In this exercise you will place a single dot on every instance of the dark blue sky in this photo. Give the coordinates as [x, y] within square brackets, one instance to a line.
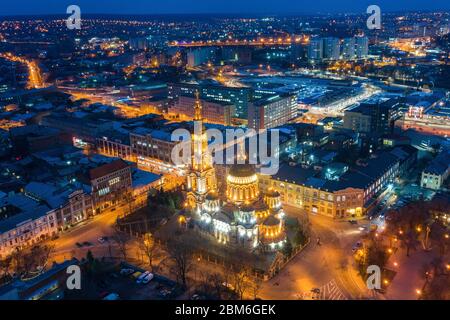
[28, 7]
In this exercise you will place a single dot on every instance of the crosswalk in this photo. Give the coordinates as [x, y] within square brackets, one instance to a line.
[331, 291]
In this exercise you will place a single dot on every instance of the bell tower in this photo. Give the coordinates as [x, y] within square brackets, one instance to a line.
[201, 178]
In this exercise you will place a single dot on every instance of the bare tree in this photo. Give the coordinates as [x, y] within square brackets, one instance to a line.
[121, 239]
[148, 247]
[35, 259]
[5, 267]
[241, 281]
[182, 257]
[256, 287]
[216, 282]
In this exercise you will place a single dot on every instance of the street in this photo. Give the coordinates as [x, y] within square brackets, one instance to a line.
[318, 265]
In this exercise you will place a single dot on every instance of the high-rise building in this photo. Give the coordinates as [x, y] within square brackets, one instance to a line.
[332, 48]
[348, 49]
[372, 117]
[362, 47]
[213, 111]
[239, 97]
[272, 111]
[315, 49]
[200, 56]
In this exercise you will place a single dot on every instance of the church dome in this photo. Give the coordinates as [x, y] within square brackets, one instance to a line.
[242, 183]
[242, 170]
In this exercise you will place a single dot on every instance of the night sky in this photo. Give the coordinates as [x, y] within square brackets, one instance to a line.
[29, 7]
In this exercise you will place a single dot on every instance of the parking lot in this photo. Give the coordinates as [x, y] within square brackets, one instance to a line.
[116, 285]
[126, 286]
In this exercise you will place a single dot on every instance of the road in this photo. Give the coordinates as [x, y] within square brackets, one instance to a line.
[34, 73]
[101, 225]
[318, 265]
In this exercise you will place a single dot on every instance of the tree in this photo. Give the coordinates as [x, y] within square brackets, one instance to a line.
[287, 249]
[240, 282]
[257, 283]
[121, 239]
[410, 242]
[148, 247]
[182, 257]
[5, 265]
[299, 238]
[35, 259]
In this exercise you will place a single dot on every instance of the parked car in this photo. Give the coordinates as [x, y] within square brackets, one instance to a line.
[148, 278]
[126, 271]
[142, 277]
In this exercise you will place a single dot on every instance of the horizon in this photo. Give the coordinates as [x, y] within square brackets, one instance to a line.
[219, 7]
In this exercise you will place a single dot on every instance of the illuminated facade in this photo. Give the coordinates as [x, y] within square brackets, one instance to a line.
[242, 216]
[201, 178]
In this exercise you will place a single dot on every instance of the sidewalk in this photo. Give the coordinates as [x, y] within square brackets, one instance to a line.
[407, 279]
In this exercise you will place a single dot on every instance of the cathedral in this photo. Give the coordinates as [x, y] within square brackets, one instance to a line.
[240, 215]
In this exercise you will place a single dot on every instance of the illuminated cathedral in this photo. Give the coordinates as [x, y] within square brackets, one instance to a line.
[239, 215]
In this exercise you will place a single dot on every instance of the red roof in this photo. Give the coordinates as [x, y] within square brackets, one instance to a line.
[107, 169]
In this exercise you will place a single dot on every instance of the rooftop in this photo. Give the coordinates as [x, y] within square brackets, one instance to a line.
[107, 169]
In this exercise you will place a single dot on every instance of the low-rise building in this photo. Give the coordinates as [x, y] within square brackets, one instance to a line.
[152, 149]
[71, 203]
[49, 285]
[111, 184]
[24, 222]
[435, 174]
[349, 195]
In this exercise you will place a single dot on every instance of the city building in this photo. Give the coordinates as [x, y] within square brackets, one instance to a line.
[435, 174]
[71, 204]
[241, 215]
[375, 117]
[110, 184]
[49, 285]
[81, 128]
[348, 49]
[239, 97]
[24, 222]
[153, 149]
[315, 50]
[332, 48]
[196, 57]
[362, 47]
[334, 191]
[214, 111]
[118, 147]
[272, 111]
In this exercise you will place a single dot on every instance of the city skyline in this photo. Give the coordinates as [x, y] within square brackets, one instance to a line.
[272, 155]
